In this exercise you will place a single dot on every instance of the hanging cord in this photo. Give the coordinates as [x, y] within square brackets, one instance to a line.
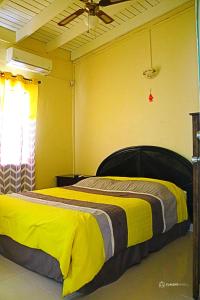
[88, 23]
[151, 72]
[150, 46]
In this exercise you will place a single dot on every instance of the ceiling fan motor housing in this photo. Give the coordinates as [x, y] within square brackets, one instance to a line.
[92, 8]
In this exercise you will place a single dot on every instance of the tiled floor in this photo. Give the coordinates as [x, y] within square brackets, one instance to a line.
[171, 268]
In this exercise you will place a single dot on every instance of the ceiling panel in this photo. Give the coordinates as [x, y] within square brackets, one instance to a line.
[18, 14]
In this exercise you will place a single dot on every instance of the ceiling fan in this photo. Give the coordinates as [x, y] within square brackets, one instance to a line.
[92, 8]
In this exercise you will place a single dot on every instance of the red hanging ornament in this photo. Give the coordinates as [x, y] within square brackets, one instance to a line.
[150, 97]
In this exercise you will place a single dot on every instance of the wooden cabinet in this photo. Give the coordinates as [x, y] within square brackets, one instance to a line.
[64, 180]
[196, 202]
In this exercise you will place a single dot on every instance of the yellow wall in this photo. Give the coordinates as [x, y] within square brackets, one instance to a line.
[54, 117]
[111, 95]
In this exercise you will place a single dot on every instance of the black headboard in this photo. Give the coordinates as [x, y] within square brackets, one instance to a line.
[151, 162]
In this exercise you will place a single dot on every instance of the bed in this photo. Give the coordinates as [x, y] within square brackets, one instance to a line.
[55, 233]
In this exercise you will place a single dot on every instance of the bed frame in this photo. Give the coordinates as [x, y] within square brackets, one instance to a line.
[152, 162]
[140, 161]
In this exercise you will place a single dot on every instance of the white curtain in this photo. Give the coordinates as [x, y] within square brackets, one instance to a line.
[18, 106]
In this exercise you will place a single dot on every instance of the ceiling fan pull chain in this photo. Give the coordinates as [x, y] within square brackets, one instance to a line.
[88, 23]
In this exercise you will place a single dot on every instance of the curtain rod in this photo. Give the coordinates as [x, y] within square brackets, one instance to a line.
[3, 73]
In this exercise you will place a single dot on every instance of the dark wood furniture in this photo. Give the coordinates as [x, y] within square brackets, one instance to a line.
[64, 180]
[196, 202]
[152, 162]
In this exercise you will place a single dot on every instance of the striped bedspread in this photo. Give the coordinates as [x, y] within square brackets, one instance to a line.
[85, 224]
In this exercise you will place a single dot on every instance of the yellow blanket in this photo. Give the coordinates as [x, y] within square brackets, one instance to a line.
[74, 237]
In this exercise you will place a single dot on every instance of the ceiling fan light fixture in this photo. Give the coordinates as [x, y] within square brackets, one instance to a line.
[91, 21]
[93, 11]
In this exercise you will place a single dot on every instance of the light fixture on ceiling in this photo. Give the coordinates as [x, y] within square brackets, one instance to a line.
[91, 21]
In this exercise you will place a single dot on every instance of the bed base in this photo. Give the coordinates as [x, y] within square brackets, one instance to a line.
[44, 264]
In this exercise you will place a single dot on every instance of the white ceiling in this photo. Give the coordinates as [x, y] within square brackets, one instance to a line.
[39, 18]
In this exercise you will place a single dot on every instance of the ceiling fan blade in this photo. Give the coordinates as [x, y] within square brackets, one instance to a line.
[104, 17]
[71, 17]
[110, 2]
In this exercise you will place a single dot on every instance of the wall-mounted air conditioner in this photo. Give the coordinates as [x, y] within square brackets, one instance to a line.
[28, 61]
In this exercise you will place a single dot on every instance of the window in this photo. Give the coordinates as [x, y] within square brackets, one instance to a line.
[18, 105]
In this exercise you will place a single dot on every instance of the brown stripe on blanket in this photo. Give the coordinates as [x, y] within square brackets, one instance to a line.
[157, 217]
[148, 187]
[117, 216]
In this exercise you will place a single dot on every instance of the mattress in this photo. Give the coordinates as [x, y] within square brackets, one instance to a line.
[83, 226]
